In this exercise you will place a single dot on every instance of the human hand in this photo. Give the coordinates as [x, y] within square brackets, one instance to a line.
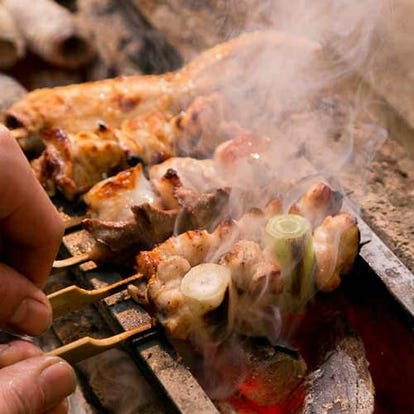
[32, 383]
[30, 234]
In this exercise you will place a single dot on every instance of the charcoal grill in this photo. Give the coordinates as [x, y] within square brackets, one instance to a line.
[392, 283]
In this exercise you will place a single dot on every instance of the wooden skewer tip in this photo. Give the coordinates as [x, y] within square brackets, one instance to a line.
[71, 261]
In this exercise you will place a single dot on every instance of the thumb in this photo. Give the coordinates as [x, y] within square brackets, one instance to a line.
[35, 385]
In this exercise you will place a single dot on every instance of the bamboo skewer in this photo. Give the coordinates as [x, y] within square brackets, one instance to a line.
[19, 133]
[71, 261]
[86, 347]
[73, 297]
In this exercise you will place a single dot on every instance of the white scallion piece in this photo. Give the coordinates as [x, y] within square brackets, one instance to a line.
[205, 285]
[289, 238]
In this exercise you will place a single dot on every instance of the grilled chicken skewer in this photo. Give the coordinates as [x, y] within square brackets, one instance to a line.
[82, 107]
[73, 163]
[257, 280]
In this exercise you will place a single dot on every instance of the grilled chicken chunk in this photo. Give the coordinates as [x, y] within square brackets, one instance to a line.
[317, 203]
[336, 244]
[112, 199]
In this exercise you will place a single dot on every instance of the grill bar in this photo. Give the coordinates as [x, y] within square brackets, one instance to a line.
[394, 274]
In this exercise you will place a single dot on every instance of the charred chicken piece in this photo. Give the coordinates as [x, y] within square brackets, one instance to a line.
[195, 246]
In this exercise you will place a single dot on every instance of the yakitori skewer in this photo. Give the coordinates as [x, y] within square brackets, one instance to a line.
[115, 240]
[72, 261]
[87, 347]
[73, 297]
[114, 100]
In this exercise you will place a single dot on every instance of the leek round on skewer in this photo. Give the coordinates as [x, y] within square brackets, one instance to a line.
[204, 286]
[289, 238]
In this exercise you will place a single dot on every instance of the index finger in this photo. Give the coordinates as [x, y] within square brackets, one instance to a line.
[30, 226]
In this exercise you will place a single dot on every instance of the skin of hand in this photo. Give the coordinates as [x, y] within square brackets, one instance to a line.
[30, 234]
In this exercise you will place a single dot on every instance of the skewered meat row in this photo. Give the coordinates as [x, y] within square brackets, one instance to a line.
[152, 223]
[82, 107]
[92, 130]
[130, 212]
[73, 163]
[255, 293]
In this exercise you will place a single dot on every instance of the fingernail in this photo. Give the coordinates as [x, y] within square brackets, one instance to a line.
[57, 381]
[32, 316]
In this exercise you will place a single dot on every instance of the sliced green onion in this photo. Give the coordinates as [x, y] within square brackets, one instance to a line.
[289, 238]
[204, 286]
